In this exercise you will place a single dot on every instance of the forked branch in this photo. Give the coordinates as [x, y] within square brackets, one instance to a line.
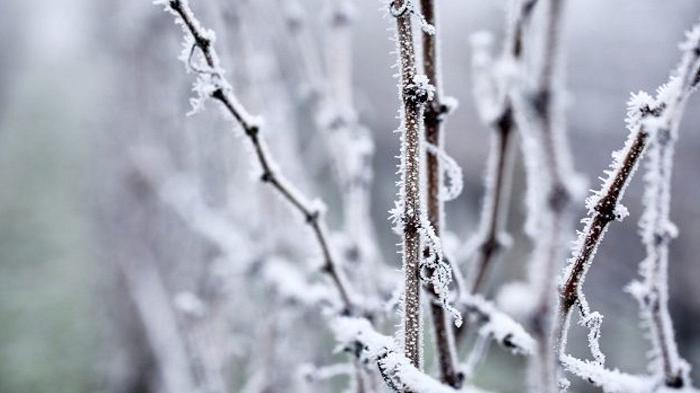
[493, 93]
[648, 120]
[211, 83]
[656, 227]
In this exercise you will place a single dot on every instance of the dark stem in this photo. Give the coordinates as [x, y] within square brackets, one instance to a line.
[432, 123]
[411, 216]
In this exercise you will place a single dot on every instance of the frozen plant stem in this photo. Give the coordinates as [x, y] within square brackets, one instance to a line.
[433, 118]
[656, 227]
[221, 91]
[492, 235]
[493, 92]
[550, 186]
[412, 95]
[651, 121]
[494, 215]
[657, 233]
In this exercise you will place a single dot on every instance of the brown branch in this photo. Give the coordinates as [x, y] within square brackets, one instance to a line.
[432, 124]
[649, 120]
[413, 96]
[655, 224]
[492, 238]
[271, 174]
[604, 205]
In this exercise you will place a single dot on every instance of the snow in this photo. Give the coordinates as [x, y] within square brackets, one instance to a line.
[291, 284]
[499, 326]
[611, 381]
[357, 334]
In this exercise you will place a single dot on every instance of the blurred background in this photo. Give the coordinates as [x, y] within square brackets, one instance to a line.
[108, 283]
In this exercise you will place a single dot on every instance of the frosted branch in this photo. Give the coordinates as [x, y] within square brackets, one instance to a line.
[357, 336]
[656, 228]
[439, 163]
[494, 87]
[414, 91]
[498, 325]
[180, 194]
[648, 120]
[610, 381]
[550, 176]
[220, 90]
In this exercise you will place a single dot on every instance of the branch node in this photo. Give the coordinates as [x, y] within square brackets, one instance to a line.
[267, 177]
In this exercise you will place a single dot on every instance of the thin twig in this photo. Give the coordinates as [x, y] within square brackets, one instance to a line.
[221, 91]
[645, 121]
[498, 112]
[493, 92]
[657, 230]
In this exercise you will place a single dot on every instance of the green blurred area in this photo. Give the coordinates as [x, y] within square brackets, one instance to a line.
[47, 332]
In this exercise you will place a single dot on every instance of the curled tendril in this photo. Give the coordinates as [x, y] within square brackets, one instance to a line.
[196, 68]
[409, 6]
[436, 271]
[396, 12]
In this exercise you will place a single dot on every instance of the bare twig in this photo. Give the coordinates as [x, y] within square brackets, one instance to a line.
[657, 230]
[432, 122]
[219, 89]
[493, 92]
[648, 120]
